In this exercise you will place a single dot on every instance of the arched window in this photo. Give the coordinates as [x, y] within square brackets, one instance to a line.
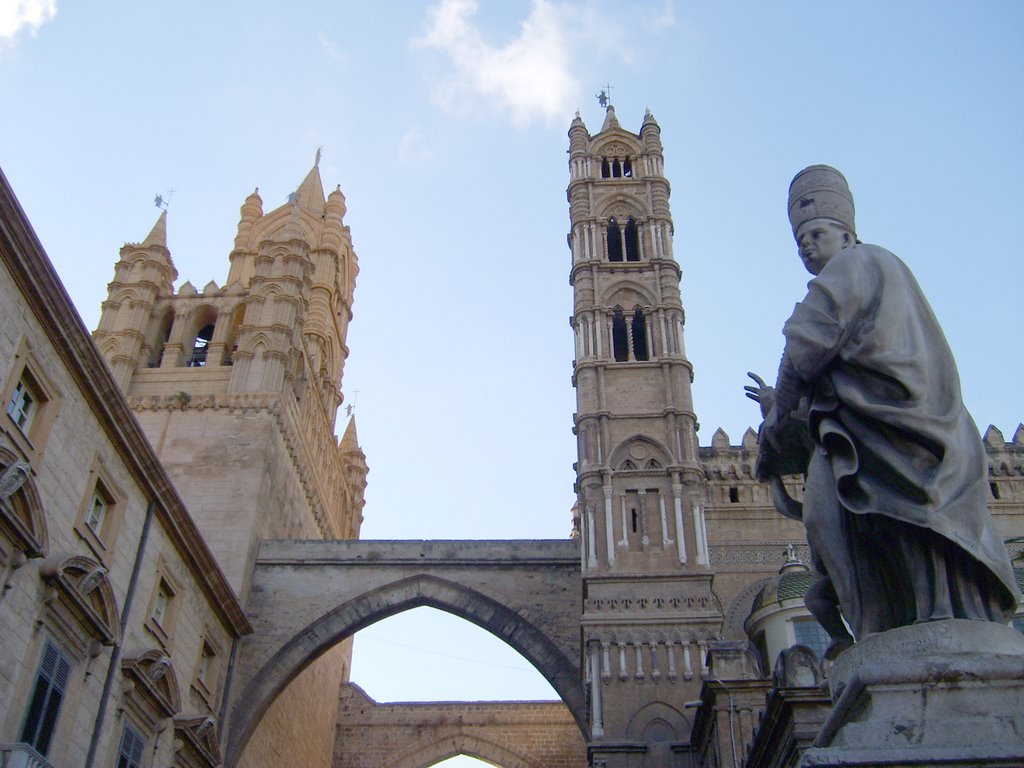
[632, 241]
[620, 339]
[232, 345]
[639, 335]
[163, 333]
[627, 168]
[201, 346]
[606, 170]
[614, 240]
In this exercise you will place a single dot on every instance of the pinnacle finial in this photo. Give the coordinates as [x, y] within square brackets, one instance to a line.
[604, 98]
[316, 160]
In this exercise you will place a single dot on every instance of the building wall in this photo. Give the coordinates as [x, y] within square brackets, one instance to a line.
[72, 590]
[244, 420]
[509, 734]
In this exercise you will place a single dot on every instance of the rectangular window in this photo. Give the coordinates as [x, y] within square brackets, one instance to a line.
[96, 513]
[161, 604]
[23, 405]
[30, 402]
[47, 695]
[129, 753]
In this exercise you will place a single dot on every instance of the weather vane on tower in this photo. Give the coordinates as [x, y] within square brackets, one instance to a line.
[162, 202]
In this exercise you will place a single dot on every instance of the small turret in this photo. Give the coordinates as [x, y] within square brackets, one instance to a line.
[650, 132]
[242, 256]
[142, 276]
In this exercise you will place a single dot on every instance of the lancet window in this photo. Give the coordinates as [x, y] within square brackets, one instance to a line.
[630, 336]
[201, 346]
[163, 335]
[623, 242]
[620, 337]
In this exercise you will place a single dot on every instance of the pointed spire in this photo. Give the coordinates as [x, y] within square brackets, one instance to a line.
[350, 441]
[610, 120]
[157, 235]
[310, 194]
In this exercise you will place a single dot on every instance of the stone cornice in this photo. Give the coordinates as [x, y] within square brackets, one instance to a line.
[32, 271]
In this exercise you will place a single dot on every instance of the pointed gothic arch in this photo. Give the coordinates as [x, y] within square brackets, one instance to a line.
[640, 450]
[344, 620]
[452, 742]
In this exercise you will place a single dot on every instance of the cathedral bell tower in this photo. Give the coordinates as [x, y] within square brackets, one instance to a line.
[649, 611]
[238, 386]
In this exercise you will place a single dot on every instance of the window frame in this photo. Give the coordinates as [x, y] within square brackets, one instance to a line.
[206, 683]
[163, 628]
[26, 371]
[101, 485]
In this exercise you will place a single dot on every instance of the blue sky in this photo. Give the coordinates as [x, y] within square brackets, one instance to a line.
[445, 124]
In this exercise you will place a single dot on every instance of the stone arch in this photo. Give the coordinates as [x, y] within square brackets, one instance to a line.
[202, 323]
[83, 586]
[628, 294]
[739, 609]
[621, 206]
[658, 712]
[451, 743]
[639, 449]
[309, 642]
[21, 512]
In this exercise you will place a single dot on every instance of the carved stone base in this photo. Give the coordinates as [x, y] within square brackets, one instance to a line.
[947, 693]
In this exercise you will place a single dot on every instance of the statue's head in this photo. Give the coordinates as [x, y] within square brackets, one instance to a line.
[821, 192]
[822, 214]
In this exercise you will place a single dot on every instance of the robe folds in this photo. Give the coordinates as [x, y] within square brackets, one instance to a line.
[898, 446]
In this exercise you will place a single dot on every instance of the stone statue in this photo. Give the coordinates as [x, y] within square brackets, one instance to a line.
[867, 403]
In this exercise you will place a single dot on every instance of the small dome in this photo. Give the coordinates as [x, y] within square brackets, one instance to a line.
[793, 581]
[785, 586]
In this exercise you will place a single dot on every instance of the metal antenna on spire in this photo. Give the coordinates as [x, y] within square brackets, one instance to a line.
[164, 202]
[604, 98]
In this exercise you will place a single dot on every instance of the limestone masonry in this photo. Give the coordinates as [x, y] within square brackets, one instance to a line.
[179, 524]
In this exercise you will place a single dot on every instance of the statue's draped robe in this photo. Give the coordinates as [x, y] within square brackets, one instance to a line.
[899, 468]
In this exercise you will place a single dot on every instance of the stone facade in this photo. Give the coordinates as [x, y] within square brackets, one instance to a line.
[238, 389]
[681, 547]
[510, 734]
[650, 610]
[177, 518]
[117, 622]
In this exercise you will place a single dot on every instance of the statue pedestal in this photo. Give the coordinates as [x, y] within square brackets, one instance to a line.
[947, 693]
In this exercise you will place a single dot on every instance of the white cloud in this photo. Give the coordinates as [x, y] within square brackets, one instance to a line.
[329, 47]
[17, 15]
[529, 76]
[413, 149]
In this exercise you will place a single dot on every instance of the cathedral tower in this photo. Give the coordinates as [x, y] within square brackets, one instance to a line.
[649, 611]
[238, 388]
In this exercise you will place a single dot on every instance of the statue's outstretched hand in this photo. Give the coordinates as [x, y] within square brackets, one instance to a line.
[762, 394]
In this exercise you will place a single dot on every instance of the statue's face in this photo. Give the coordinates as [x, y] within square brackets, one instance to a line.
[818, 240]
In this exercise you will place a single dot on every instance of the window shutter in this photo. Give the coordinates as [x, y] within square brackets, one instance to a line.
[47, 695]
[129, 753]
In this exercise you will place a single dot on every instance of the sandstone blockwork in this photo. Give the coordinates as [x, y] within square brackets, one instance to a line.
[509, 734]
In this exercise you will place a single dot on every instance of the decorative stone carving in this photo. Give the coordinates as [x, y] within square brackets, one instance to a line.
[868, 402]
